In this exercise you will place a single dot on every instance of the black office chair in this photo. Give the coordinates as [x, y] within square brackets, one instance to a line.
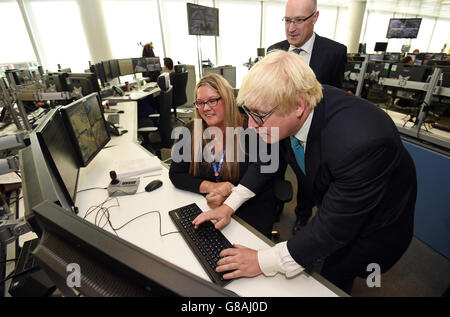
[162, 120]
[179, 82]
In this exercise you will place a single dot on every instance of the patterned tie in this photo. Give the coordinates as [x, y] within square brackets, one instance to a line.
[299, 153]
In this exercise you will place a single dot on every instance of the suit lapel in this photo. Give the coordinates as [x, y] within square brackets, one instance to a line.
[313, 144]
[316, 55]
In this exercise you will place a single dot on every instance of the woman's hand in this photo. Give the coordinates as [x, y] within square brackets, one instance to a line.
[214, 200]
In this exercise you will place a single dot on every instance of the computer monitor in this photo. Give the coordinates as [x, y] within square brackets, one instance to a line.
[380, 46]
[39, 180]
[202, 20]
[403, 28]
[108, 265]
[114, 66]
[376, 57]
[87, 127]
[107, 71]
[59, 153]
[146, 64]
[100, 72]
[56, 81]
[86, 83]
[126, 66]
[406, 48]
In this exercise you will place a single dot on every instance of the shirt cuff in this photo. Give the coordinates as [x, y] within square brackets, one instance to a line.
[278, 260]
[239, 195]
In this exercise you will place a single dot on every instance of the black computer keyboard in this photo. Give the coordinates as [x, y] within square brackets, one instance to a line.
[206, 241]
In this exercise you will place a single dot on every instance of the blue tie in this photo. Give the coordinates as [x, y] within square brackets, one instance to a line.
[299, 153]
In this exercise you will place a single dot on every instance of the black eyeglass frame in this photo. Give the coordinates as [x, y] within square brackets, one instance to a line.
[296, 20]
[202, 104]
[259, 119]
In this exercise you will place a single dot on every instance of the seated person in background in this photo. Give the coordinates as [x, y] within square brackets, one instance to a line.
[416, 51]
[216, 107]
[168, 65]
[407, 60]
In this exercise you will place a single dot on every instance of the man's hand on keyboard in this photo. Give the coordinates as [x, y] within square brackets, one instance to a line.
[221, 214]
[241, 260]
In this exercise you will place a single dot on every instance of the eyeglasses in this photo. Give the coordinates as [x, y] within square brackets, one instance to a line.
[296, 21]
[259, 119]
[211, 103]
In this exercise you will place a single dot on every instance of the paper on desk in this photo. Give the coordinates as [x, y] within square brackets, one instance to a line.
[131, 168]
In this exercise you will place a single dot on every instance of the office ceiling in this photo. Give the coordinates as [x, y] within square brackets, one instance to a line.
[430, 8]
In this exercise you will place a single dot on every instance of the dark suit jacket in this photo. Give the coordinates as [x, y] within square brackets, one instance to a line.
[360, 176]
[328, 60]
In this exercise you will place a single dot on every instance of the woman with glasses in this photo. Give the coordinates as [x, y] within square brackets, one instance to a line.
[216, 111]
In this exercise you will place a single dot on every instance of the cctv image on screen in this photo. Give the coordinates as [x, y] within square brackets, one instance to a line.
[87, 122]
[403, 28]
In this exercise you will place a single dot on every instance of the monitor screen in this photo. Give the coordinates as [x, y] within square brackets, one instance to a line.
[114, 66]
[86, 124]
[54, 140]
[403, 28]
[202, 20]
[376, 57]
[84, 83]
[126, 66]
[380, 46]
[107, 264]
[146, 64]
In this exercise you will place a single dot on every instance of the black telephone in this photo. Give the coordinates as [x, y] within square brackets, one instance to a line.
[118, 90]
[112, 129]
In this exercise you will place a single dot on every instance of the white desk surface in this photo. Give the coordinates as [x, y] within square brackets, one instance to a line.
[144, 231]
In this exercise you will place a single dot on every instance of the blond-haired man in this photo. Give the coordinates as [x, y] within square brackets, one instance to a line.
[357, 171]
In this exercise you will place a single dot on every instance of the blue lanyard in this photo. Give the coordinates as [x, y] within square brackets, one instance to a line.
[217, 168]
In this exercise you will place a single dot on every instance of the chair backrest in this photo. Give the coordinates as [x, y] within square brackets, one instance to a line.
[179, 83]
[163, 81]
[165, 125]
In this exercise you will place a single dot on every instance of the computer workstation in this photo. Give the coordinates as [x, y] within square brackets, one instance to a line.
[139, 243]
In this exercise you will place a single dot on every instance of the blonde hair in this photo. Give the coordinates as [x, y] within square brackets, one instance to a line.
[280, 78]
[232, 118]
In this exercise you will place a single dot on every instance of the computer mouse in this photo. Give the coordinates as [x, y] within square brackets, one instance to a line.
[120, 111]
[153, 185]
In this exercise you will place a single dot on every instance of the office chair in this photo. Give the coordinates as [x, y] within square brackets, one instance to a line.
[163, 122]
[179, 82]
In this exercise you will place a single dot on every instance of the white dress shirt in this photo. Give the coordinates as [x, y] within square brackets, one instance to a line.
[306, 49]
[275, 259]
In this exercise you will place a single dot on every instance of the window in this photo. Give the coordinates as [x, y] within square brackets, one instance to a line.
[59, 34]
[239, 26]
[16, 42]
[129, 23]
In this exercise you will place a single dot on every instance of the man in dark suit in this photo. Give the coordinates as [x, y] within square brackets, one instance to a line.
[326, 58]
[357, 170]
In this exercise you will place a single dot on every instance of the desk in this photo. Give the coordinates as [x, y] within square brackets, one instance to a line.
[136, 95]
[144, 232]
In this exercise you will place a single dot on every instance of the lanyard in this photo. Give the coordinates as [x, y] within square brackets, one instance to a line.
[217, 167]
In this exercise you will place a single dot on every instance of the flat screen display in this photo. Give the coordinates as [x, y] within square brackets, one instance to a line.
[86, 123]
[202, 20]
[403, 28]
